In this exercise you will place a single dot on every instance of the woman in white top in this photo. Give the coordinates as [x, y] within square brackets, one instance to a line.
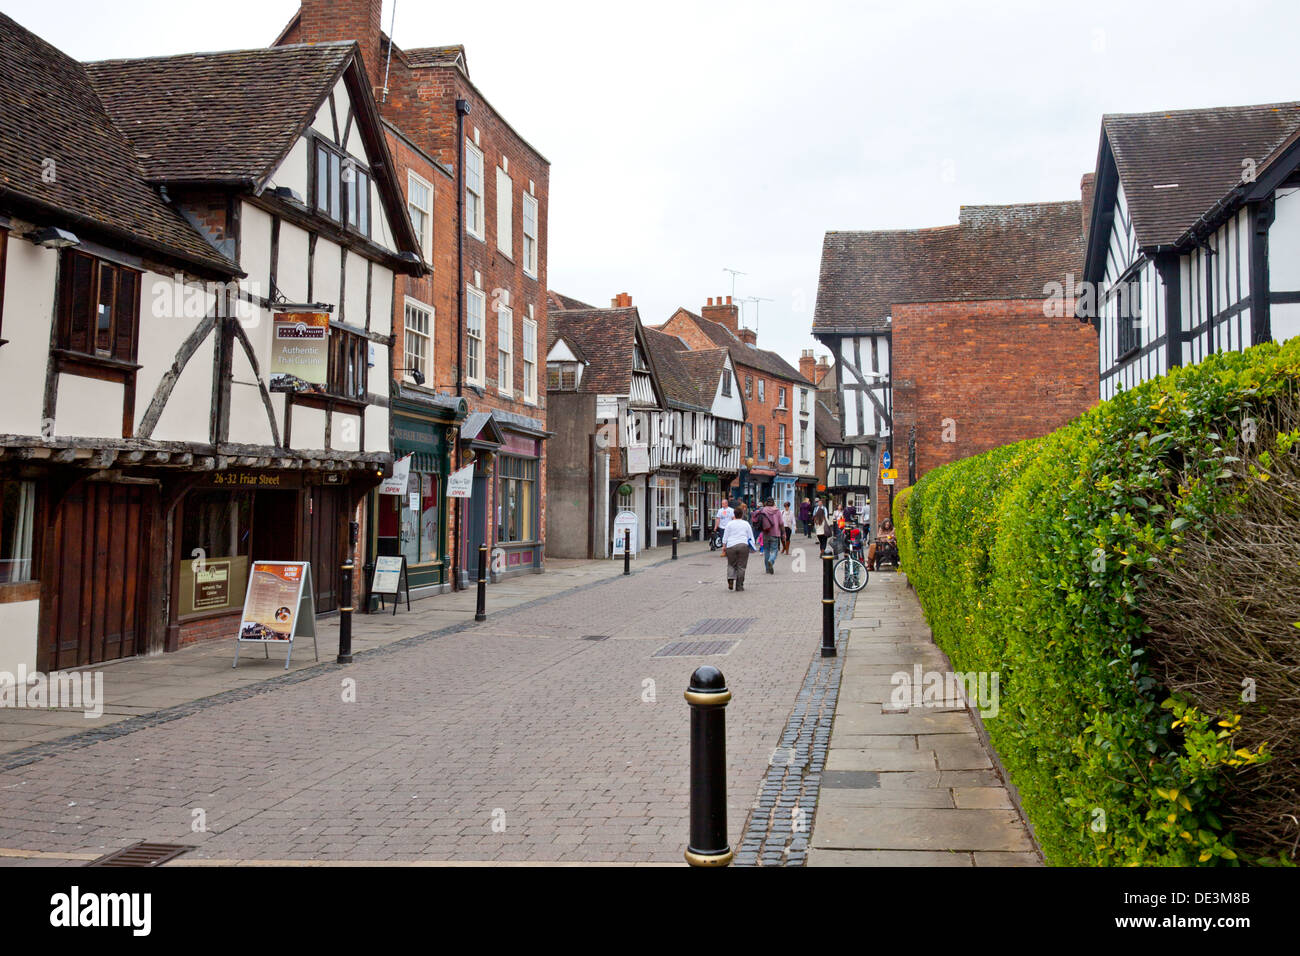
[737, 540]
[787, 527]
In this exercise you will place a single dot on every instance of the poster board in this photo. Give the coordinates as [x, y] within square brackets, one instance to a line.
[625, 521]
[389, 580]
[279, 606]
[299, 351]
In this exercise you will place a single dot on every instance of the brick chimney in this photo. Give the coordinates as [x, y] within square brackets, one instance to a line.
[331, 21]
[822, 369]
[621, 301]
[806, 365]
[748, 336]
[723, 313]
[1087, 185]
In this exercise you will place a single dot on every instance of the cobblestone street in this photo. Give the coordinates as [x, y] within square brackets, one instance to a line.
[548, 733]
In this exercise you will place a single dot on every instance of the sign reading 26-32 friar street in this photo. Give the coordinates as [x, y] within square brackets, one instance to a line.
[299, 351]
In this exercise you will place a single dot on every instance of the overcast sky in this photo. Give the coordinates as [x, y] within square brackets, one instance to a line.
[689, 137]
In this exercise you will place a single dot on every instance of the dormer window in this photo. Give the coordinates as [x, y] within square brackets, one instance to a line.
[562, 376]
[342, 189]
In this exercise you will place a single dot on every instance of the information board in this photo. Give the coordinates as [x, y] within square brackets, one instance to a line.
[625, 521]
[390, 580]
[279, 605]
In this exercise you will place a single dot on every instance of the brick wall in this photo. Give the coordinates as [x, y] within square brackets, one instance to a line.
[976, 375]
[209, 629]
[328, 21]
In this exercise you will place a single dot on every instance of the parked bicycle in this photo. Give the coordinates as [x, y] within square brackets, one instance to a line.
[850, 571]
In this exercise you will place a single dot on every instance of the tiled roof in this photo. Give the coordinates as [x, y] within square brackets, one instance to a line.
[743, 353]
[827, 425]
[437, 56]
[50, 113]
[1195, 156]
[705, 367]
[606, 337]
[677, 379]
[994, 252]
[557, 302]
[218, 117]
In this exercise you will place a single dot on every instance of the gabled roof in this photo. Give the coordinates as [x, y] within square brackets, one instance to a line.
[680, 386]
[218, 117]
[705, 368]
[826, 425]
[742, 353]
[1176, 165]
[49, 108]
[606, 338]
[994, 252]
[231, 118]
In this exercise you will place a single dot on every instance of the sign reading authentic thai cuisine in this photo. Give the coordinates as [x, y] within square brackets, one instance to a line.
[299, 351]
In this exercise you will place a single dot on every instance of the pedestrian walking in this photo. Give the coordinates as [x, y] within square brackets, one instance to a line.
[821, 525]
[737, 542]
[724, 515]
[767, 520]
[787, 527]
[805, 517]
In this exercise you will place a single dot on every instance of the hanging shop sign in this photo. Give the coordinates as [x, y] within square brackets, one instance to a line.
[279, 606]
[638, 459]
[396, 485]
[460, 484]
[299, 351]
[606, 407]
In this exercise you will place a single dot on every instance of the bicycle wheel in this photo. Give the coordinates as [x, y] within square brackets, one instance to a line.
[850, 574]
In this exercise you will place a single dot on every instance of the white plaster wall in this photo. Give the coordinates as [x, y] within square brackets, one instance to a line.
[1284, 243]
[1285, 320]
[248, 421]
[168, 314]
[325, 281]
[380, 229]
[88, 408]
[376, 428]
[293, 171]
[345, 432]
[30, 278]
[381, 300]
[291, 271]
[308, 427]
[354, 304]
[18, 622]
[188, 412]
[255, 248]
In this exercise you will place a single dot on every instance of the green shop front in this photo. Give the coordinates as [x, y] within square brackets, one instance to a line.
[414, 523]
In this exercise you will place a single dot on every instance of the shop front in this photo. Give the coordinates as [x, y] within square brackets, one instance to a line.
[413, 522]
[227, 520]
[518, 504]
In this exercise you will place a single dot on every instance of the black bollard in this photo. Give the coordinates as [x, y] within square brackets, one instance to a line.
[674, 540]
[828, 603]
[480, 611]
[627, 551]
[345, 605]
[708, 697]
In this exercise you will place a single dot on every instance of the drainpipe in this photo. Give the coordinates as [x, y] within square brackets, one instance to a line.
[462, 110]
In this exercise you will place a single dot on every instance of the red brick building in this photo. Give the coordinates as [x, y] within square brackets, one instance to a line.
[779, 441]
[468, 337]
[944, 339]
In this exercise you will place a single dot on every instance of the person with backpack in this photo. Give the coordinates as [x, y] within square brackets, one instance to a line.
[767, 520]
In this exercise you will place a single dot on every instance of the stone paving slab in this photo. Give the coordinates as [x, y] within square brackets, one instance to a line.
[927, 791]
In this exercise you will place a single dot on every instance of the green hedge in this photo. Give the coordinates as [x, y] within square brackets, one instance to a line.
[1029, 560]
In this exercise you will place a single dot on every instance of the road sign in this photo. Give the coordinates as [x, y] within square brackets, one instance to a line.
[886, 460]
[887, 475]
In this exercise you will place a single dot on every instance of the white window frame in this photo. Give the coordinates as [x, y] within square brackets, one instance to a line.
[530, 238]
[505, 214]
[426, 364]
[474, 367]
[505, 347]
[426, 233]
[761, 390]
[475, 211]
[530, 358]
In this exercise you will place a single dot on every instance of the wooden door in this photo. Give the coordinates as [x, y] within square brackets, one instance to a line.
[100, 575]
[327, 507]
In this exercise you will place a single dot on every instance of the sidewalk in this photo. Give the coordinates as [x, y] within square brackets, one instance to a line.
[137, 686]
[908, 785]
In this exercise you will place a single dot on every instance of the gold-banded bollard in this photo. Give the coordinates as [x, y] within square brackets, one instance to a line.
[828, 602]
[708, 697]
